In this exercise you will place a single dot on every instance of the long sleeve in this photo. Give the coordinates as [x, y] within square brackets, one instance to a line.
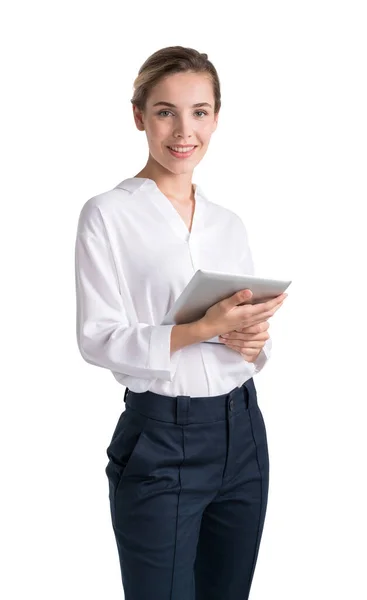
[106, 336]
[264, 355]
[247, 265]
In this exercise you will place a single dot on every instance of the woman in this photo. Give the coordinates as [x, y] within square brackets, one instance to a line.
[188, 465]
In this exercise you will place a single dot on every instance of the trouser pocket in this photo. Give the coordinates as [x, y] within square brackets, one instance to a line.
[259, 431]
[123, 446]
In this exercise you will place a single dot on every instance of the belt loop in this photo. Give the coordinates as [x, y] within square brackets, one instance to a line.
[230, 399]
[126, 393]
[182, 410]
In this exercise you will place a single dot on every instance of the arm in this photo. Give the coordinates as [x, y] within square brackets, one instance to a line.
[106, 336]
[186, 334]
[248, 268]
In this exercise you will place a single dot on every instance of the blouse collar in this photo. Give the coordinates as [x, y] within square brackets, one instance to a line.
[145, 184]
[165, 206]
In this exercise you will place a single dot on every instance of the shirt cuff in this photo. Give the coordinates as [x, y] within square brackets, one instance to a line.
[263, 356]
[160, 358]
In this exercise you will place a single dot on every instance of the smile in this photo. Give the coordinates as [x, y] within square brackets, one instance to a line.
[183, 153]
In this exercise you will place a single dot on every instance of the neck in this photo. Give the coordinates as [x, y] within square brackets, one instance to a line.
[176, 187]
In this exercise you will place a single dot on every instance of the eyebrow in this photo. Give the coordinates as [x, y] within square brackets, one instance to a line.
[161, 102]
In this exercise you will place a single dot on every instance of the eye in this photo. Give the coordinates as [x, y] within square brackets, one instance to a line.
[162, 111]
[168, 111]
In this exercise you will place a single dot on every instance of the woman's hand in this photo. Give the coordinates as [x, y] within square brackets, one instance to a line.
[248, 341]
[235, 312]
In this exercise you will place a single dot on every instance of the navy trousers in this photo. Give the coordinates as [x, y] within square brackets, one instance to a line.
[188, 486]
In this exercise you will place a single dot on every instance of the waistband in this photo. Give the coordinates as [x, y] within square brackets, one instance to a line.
[184, 410]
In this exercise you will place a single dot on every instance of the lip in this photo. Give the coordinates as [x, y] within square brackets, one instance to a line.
[182, 154]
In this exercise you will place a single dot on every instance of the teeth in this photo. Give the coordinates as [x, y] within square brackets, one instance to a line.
[175, 149]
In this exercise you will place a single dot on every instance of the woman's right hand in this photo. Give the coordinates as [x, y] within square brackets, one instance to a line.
[226, 315]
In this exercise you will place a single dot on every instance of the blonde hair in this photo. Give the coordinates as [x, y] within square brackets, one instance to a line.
[166, 61]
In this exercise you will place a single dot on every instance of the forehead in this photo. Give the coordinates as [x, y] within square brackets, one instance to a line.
[183, 88]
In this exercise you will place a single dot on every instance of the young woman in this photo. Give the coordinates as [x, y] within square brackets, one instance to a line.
[188, 466]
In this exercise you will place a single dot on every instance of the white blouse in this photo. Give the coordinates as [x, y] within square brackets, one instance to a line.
[133, 257]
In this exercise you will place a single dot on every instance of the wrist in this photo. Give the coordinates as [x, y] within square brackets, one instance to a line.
[204, 331]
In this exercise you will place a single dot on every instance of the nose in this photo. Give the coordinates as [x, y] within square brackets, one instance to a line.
[183, 128]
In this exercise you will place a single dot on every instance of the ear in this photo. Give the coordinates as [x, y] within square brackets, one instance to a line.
[138, 118]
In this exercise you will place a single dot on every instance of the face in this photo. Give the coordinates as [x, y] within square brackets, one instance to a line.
[181, 124]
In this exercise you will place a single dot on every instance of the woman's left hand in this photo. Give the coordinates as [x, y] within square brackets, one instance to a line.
[248, 341]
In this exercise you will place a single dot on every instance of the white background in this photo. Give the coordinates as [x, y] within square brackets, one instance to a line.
[289, 156]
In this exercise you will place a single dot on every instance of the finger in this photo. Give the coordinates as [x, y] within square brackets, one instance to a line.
[266, 315]
[247, 345]
[246, 337]
[269, 304]
[256, 327]
[249, 332]
[248, 355]
[262, 326]
[261, 314]
[257, 321]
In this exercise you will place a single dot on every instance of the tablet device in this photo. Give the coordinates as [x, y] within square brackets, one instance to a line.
[209, 287]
